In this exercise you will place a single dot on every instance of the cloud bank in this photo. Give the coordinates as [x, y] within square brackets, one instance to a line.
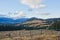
[16, 15]
[33, 3]
[36, 5]
[42, 13]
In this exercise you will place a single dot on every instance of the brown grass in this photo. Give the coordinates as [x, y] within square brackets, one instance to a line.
[30, 35]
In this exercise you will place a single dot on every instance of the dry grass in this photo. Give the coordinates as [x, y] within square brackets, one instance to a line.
[30, 35]
[44, 37]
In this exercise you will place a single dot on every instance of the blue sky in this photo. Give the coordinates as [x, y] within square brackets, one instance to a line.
[24, 8]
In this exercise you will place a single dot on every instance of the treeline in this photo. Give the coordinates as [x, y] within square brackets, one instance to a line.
[10, 28]
[54, 26]
[21, 27]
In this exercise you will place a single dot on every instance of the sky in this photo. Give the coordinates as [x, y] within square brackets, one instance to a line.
[30, 8]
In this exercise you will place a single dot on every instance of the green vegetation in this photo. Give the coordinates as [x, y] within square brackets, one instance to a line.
[21, 27]
[55, 26]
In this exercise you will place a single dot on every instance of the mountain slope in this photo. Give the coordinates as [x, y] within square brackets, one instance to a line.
[4, 20]
[33, 22]
[25, 23]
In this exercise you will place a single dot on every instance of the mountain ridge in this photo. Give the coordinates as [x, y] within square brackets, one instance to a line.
[28, 24]
[21, 20]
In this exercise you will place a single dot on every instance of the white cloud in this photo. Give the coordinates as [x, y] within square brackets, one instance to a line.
[1, 15]
[41, 13]
[45, 14]
[30, 2]
[41, 6]
[36, 5]
[16, 15]
[33, 3]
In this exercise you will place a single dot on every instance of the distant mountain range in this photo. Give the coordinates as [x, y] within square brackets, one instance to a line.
[4, 20]
[21, 20]
[25, 23]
